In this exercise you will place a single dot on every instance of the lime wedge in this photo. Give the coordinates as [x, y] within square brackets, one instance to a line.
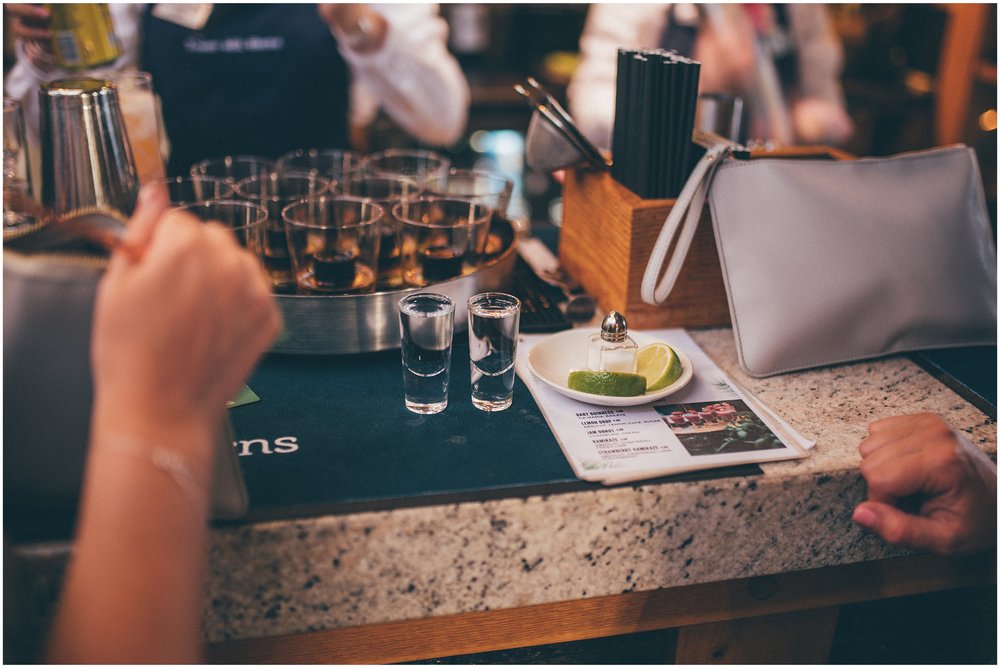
[607, 383]
[659, 364]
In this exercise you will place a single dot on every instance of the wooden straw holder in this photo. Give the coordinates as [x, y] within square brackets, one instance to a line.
[606, 238]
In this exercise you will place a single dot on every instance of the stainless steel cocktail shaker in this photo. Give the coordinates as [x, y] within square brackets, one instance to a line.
[86, 158]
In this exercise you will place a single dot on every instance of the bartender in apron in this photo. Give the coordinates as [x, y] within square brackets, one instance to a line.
[254, 80]
[264, 79]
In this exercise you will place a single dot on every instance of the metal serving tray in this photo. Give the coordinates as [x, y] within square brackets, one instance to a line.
[344, 324]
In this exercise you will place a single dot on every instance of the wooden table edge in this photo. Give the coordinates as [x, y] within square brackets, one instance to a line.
[676, 607]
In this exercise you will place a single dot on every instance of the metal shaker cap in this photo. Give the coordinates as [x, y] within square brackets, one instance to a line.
[614, 327]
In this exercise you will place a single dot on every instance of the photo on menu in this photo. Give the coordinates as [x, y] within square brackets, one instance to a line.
[718, 428]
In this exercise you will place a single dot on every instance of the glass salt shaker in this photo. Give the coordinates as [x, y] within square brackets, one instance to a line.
[612, 349]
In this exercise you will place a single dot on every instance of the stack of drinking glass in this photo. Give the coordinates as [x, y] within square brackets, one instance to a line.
[327, 221]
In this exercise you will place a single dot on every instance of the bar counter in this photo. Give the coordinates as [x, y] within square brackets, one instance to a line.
[726, 558]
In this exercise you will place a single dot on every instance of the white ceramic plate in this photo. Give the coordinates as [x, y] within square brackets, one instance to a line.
[552, 358]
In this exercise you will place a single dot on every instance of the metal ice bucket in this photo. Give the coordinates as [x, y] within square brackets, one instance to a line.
[343, 324]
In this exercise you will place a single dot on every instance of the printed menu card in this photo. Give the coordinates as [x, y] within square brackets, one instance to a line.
[710, 422]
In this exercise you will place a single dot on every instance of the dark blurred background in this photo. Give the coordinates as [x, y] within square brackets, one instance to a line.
[915, 76]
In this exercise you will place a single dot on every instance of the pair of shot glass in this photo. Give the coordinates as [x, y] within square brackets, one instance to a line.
[426, 327]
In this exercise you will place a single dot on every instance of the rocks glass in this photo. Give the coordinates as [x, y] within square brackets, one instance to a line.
[245, 220]
[233, 168]
[386, 191]
[274, 191]
[408, 163]
[183, 190]
[490, 188]
[331, 163]
[442, 238]
[334, 243]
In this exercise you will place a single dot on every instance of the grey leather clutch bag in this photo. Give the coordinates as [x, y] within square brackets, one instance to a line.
[835, 261]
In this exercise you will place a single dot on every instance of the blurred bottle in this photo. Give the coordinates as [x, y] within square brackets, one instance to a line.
[469, 33]
[83, 35]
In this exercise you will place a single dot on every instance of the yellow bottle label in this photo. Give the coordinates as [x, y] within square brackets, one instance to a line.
[83, 35]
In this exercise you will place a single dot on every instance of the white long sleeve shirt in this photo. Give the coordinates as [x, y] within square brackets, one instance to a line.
[609, 27]
[413, 76]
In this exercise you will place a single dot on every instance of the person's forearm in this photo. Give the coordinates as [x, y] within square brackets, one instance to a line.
[133, 588]
[414, 77]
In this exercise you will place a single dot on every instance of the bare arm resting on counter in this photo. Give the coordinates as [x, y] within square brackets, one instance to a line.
[928, 487]
[175, 335]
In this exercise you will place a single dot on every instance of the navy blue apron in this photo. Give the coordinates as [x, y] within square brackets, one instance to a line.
[256, 80]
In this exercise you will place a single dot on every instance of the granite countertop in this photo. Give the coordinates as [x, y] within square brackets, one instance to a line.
[295, 576]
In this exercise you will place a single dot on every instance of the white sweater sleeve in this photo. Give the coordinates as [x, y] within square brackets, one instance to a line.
[591, 91]
[413, 76]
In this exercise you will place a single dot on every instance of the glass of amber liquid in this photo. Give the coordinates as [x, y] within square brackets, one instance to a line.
[142, 122]
[386, 191]
[245, 220]
[441, 238]
[334, 243]
[274, 191]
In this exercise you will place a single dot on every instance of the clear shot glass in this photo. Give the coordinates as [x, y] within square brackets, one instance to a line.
[426, 327]
[245, 220]
[183, 190]
[494, 320]
[274, 191]
[409, 163]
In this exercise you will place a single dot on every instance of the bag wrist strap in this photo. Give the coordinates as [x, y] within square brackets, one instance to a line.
[681, 222]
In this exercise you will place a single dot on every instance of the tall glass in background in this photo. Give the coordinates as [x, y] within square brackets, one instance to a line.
[16, 169]
[386, 192]
[494, 319]
[426, 328]
[274, 191]
[137, 101]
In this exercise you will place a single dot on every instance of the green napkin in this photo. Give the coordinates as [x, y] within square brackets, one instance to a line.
[244, 396]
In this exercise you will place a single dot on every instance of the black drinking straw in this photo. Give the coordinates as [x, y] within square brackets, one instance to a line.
[656, 92]
[618, 149]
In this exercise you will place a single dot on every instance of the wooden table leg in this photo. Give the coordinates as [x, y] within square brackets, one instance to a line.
[795, 637]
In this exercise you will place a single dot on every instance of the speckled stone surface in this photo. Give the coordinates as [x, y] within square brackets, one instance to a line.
[287, 577]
